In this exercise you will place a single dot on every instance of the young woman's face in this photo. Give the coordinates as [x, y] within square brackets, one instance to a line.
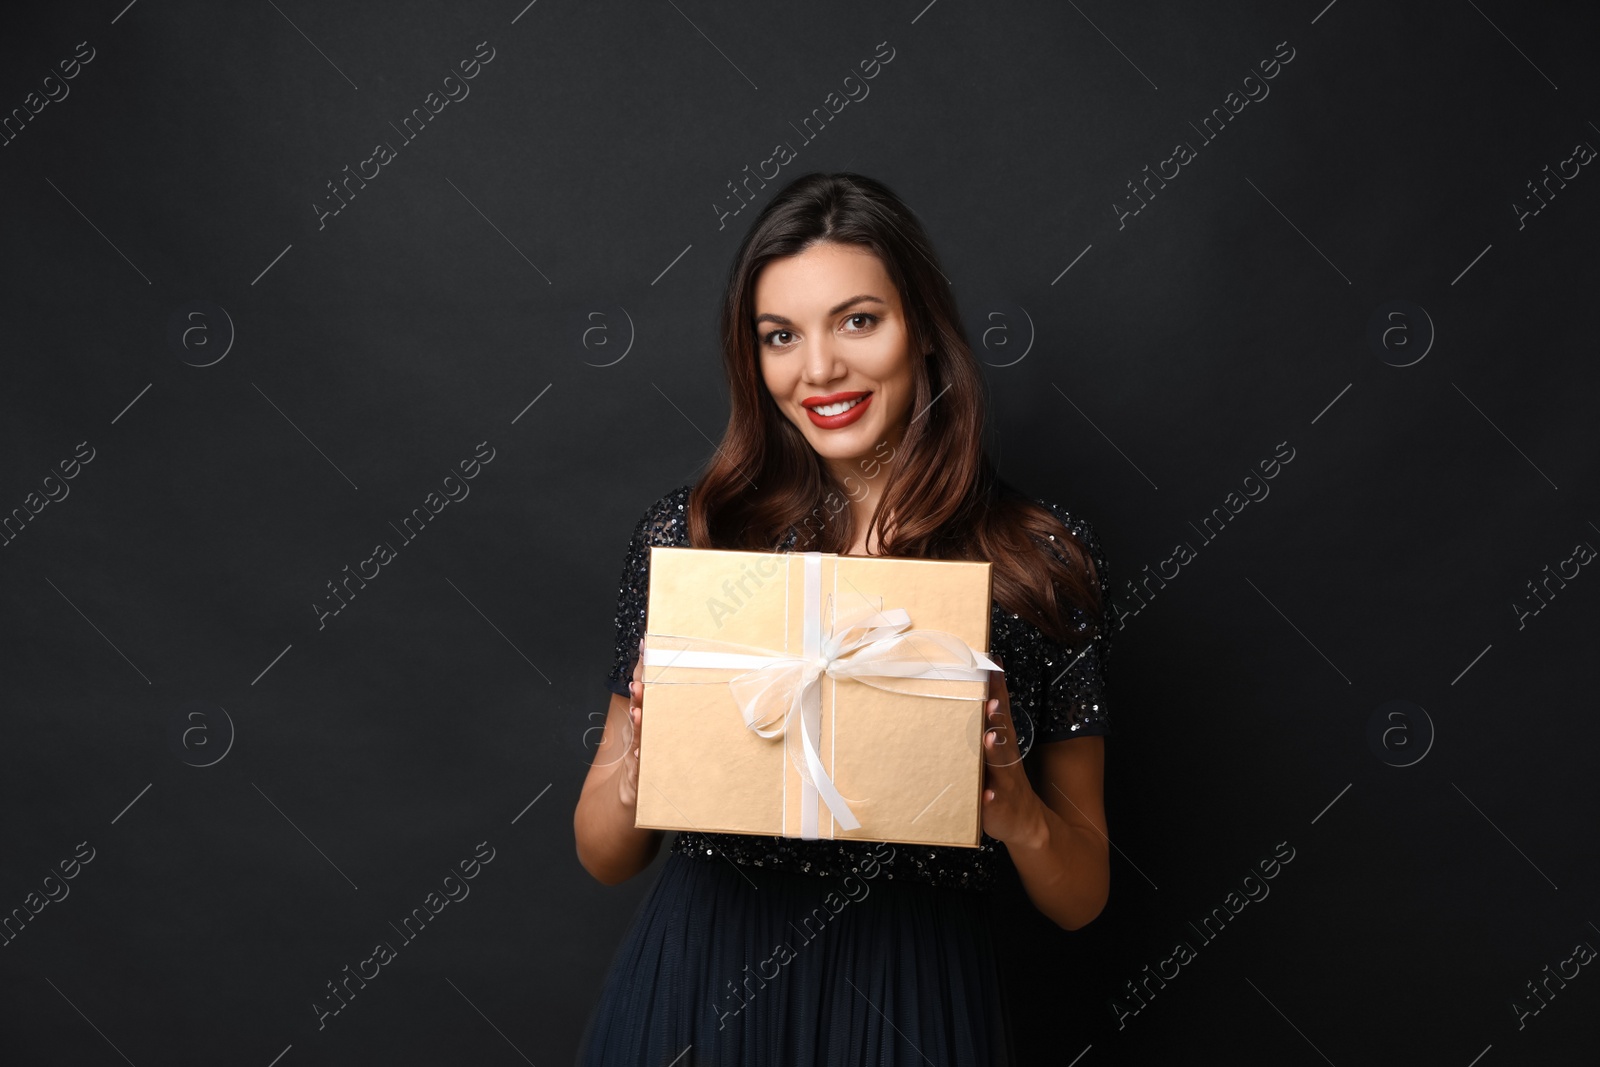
[830, 331]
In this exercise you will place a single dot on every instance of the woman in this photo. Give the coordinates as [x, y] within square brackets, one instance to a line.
[856, 423]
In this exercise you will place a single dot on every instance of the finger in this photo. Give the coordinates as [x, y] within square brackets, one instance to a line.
[995, 735]
[1002, 709]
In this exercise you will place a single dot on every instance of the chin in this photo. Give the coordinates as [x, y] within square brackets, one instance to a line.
[841, 445]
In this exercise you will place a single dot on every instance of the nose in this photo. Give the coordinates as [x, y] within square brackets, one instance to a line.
[821, 363]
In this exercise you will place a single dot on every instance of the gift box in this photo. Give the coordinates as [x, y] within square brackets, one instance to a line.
[815, 695]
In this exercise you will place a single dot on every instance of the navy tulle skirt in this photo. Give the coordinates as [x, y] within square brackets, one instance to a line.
[748, 965]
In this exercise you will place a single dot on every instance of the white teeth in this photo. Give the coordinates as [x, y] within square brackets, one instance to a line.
[839, 408]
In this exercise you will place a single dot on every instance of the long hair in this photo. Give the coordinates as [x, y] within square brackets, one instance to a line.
[942, 498]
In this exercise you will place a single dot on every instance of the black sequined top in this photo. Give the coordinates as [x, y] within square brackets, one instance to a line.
[1055, 694]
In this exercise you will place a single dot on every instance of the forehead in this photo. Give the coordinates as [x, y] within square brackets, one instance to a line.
[812, 281]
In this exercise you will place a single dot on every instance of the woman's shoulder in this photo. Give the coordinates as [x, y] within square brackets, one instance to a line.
[1081, 529]
[665, 522]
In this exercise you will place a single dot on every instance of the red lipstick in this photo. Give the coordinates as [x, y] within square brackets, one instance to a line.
[844, 418]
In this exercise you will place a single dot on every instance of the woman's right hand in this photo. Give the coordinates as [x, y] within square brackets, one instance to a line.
[628, 781]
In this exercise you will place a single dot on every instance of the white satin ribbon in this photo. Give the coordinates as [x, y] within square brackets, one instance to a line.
[776, 689]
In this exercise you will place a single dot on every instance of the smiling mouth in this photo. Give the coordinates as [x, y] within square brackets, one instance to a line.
[838, 407]
[837, 414]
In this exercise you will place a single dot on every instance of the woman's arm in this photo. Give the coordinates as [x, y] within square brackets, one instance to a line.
[610, 847]
[1062, 852]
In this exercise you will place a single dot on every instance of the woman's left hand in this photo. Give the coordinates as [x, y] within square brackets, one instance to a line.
[1010, 805]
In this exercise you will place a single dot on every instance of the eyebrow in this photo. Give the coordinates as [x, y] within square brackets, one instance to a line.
[858, 298]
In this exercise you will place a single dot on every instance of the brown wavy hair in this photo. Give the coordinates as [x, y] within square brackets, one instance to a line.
[946, 500]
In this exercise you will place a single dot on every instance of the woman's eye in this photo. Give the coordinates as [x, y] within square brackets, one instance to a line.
[869, 320]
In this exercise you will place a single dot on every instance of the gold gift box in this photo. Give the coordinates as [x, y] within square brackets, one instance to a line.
[908, 760]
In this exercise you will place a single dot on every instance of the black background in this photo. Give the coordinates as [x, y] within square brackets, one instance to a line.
[541, 268]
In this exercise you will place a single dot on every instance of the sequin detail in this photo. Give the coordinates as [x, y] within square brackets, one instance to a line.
[1056, 693]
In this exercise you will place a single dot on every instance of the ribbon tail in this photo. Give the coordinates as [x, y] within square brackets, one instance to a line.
[810, 726]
